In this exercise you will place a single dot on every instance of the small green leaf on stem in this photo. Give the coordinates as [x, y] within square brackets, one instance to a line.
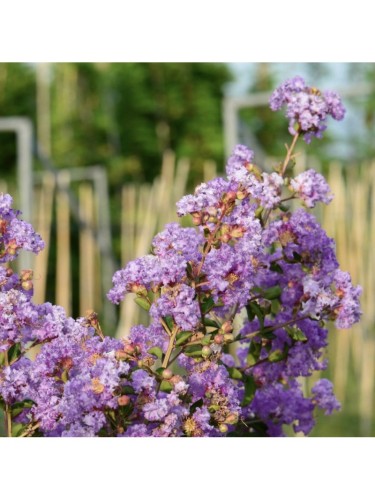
[250, 388]
[295, 333]
[207, 304]
[182, 337]
[194, 351]
[169, 321]
[156, 351]
[277, 355]
[143, 302]
[166, 386]
[253, 354]
[234, 373]
[14, 353]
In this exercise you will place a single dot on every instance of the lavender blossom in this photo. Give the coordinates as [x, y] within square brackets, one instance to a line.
[15, 234]
[306, 107]
[311, 187]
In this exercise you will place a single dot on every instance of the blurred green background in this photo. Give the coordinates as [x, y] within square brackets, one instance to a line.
[137, 119]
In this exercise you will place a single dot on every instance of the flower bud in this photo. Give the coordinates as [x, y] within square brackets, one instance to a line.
[241, 194]
[123, 400]
[237, 231]
[121, 355]
[26, 275]
[227, 327]
[148, 361]
[197, 219]
[225, 238]
[230, 196]
[206, 351]
[27, 285]
[228, 337]
[137, 349]
[167, 374]
[223, 428]
[129, 349]
[219, 338]
[97, 386]
[231, 419]
[140, 290]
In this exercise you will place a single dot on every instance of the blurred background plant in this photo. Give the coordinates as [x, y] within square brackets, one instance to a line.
[155, 130]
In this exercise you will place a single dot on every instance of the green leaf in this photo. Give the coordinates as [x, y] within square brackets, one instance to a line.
[258, 212]
[211, 322]
[156, 351]
[254, 353]
[169, 322]
[275, 306]
[234, 373]
[127, 389]
[207, 339]
[182, 337]
[166, 386]
[18, 407]
[283, 208]
[142, 302]
[295, 333]
[277, 355]
[272, 293]
[65, 376]
[189, 270]
[195, 405]
[14, 353]
[250, 388]
[253, 310]
[207, 305]
[276, 268]
[17, 429]
[194, 351]
[297, 256]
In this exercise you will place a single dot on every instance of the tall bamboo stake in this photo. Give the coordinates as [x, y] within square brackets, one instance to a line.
[63, 265]
[86, 250]
[44, 224]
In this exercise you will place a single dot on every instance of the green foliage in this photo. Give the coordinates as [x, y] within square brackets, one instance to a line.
[126, 115]
[17, 98]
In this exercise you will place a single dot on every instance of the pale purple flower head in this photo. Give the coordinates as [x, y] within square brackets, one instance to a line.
[306, 107]
[311, 187]
[15, 234]
[323, 396]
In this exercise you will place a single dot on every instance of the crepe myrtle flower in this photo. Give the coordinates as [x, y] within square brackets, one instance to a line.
[15, 234]
[252, 271]
[307, 108]
[311, 188]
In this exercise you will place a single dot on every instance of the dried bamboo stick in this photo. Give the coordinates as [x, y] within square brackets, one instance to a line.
[63, 264]
[43, 225]
[86, 250]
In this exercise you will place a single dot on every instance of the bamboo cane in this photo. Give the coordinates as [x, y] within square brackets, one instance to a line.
[86, 250]
[63, 265]
[44, 225]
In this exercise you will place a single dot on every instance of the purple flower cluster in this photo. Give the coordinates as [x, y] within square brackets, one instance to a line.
[251, 271]
[15, 234]
[306, 107]
[311, 187]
